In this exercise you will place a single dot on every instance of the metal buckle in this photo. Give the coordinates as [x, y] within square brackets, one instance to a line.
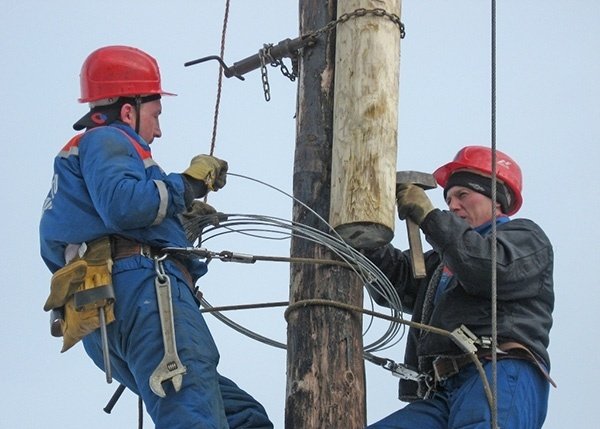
[442, 377]
[146, 251]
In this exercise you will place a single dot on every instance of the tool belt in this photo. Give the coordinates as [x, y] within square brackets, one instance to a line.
[84, 285]
[445, 367]
[123, 248]
[79, 290]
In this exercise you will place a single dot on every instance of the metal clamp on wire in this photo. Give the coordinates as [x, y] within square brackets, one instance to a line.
[463, 336]
[225, 255]
[244, 258]
[402, 371]
[466, 340]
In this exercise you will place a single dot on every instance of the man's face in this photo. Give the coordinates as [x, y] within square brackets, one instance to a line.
[472, 206]
[149, 123]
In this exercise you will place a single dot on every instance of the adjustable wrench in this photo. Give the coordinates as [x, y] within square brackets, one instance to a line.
[170, 367]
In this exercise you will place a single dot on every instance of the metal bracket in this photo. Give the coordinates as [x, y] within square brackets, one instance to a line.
[286, 48]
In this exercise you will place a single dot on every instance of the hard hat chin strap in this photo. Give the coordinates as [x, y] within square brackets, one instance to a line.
[138, 100]
[138, 105]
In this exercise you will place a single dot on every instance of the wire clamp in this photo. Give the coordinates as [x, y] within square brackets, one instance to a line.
[228, 256]
[402, 371]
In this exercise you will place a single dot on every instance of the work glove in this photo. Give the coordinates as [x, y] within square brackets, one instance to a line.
[412, 203]
[208, 169]
[197, 217]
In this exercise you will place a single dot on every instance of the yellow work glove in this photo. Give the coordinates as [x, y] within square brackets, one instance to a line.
[209, 169]
[412, 203]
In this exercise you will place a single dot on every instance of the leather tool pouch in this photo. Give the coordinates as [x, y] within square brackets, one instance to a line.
[80, 289]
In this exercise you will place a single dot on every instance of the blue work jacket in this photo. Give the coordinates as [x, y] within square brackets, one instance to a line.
[106, 182]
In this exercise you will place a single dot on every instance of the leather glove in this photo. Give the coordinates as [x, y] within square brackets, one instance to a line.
[208, 169]
[197, 217]
[412, 203]
[197, 209]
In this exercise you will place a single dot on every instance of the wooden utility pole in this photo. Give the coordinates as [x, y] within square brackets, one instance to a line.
[325, 377]
[365, 123]
[345, 144]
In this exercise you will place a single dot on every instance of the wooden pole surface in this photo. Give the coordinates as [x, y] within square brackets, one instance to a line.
[365, 124]
[325, 367]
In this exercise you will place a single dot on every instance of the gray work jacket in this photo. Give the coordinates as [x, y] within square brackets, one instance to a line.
[525, 296]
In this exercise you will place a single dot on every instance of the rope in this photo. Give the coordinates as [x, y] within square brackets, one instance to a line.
[324, 302]
[494, 285]
[298, 305]
[244, 306]
[220, 81]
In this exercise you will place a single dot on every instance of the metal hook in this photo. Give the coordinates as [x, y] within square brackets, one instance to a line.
[159, 267]
[227, 71]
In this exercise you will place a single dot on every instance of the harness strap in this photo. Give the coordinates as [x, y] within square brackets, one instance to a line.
[445, 367]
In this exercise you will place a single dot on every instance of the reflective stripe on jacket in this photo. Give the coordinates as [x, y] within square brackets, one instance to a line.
[105, 182]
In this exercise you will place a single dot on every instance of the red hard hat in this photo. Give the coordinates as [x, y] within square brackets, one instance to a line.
[479, 159]
[119, 71]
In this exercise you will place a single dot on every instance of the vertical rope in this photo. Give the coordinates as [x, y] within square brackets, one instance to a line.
[220, 81]
[213, 140]
[494, 302]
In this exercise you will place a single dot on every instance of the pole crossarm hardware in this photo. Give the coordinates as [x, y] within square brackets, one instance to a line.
[290, 48]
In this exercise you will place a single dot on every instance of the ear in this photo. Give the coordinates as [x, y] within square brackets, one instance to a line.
[128, 114]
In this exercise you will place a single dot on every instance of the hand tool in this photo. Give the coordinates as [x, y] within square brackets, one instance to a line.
[170, 367]
[425, 181]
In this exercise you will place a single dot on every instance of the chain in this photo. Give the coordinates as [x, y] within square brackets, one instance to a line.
[345, 17]
[265, 56]
[265, 52]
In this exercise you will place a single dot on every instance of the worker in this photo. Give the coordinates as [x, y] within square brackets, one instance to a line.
[457, 291]
[112, 209]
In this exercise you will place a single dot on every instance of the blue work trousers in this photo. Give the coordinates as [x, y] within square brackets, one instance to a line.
[522, 395]
[206, 399]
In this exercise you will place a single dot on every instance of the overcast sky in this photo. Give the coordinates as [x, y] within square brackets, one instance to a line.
[548, 120]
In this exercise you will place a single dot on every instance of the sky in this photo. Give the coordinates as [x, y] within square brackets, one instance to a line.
[548, 119]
